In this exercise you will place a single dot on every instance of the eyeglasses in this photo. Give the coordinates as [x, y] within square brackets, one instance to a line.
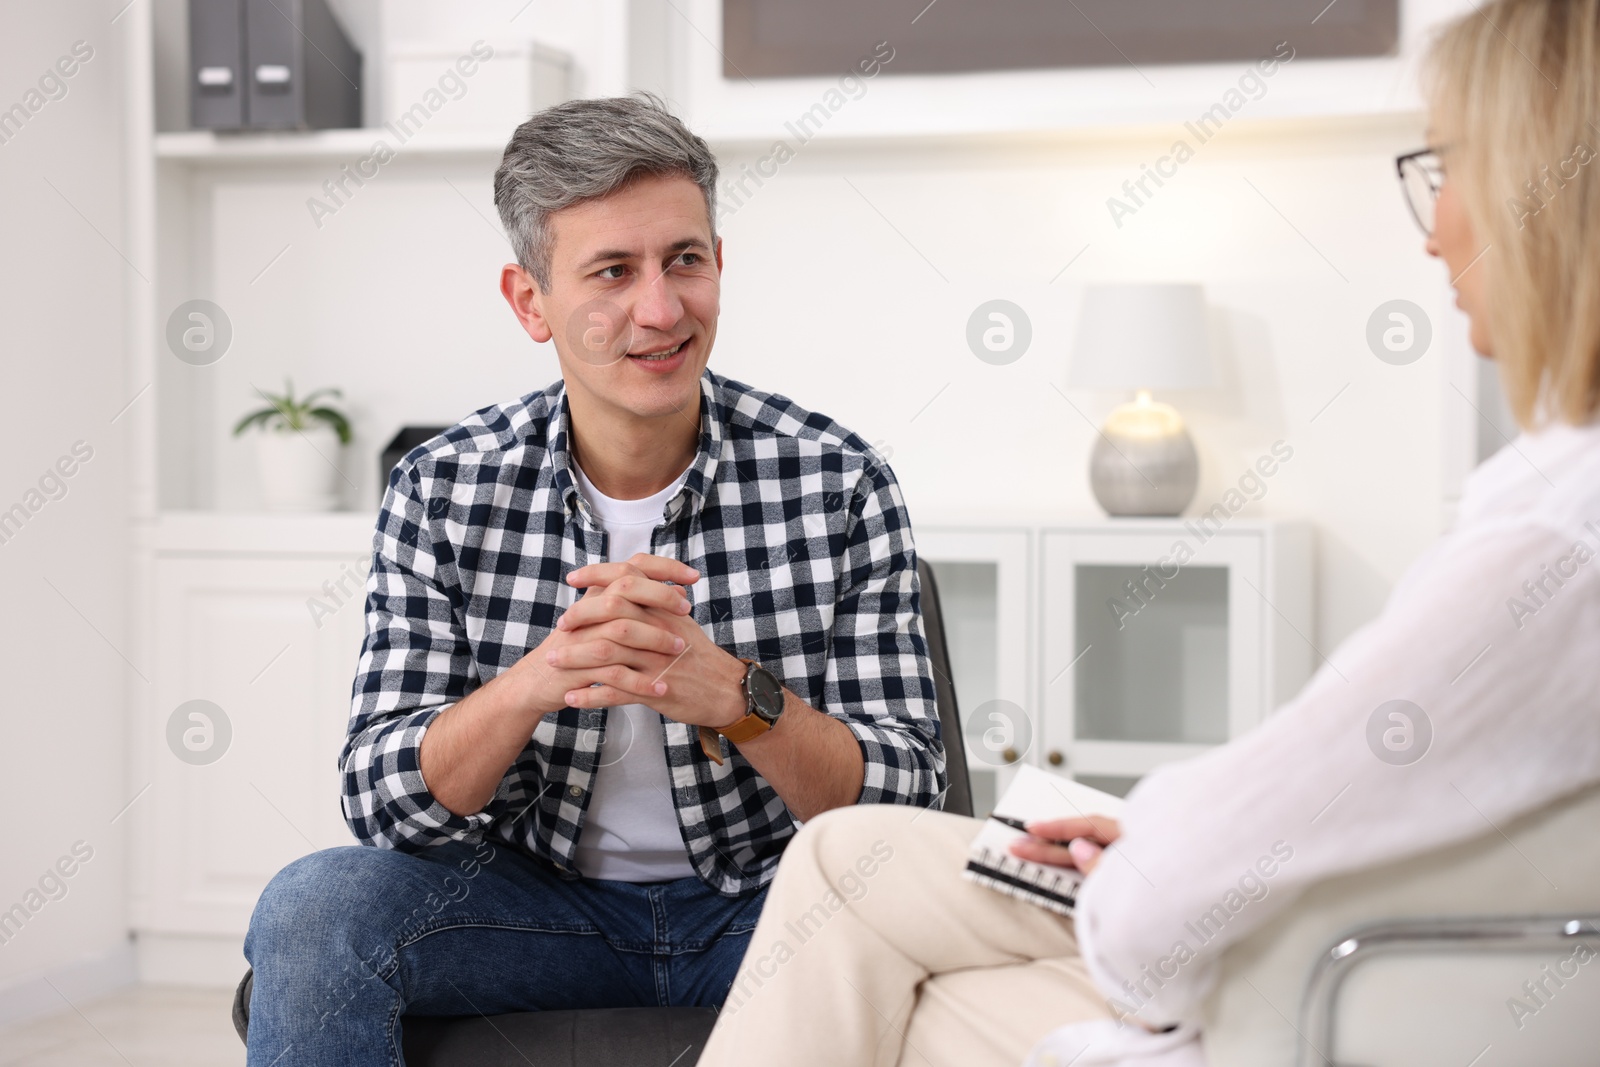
[1421, 176]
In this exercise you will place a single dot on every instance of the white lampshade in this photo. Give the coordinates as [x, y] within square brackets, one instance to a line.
[1147, 336]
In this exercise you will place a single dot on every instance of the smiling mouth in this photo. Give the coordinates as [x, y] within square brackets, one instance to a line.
[656, 357]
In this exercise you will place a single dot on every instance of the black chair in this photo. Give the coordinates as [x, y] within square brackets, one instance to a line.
[609, 1037]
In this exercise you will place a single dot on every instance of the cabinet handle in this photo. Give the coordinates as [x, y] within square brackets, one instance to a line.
[215, 77]
[272, 74]
[1010, 755]
[1056, 758]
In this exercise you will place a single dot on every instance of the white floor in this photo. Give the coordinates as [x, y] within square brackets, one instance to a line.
[142, 1026]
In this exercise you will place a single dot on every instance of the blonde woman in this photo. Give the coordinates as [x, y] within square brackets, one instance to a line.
[1492, 635]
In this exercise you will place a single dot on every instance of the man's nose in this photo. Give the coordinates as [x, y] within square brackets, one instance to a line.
[657, 306]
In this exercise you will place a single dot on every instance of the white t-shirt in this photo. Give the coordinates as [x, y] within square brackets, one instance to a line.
[630, 832]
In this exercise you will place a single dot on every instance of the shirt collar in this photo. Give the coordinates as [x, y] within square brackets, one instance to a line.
[702, 472]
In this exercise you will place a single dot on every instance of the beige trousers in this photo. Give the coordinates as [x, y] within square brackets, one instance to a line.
[872, 949]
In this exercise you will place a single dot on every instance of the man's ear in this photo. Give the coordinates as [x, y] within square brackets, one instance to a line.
[526, 300]
[718, 253]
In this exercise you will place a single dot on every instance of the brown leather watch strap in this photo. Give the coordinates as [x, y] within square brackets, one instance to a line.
[752, 725]
[711, 744]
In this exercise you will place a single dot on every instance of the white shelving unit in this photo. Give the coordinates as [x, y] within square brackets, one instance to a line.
[224, 594]
[1024, 101]
[220, 591]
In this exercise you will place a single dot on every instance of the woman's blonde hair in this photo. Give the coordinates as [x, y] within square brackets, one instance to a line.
[1515, 101]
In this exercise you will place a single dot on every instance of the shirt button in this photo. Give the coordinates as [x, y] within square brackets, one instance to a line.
[574, 791]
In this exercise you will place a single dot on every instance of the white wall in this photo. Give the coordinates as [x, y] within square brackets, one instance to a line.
[64, 284]
[826, 301]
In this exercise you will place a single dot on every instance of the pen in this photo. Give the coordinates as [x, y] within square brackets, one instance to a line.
[1018, 824]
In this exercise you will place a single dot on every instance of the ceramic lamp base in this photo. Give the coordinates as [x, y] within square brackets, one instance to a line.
[1144, 462]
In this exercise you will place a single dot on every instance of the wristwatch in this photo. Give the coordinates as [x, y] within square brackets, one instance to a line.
[763, 695]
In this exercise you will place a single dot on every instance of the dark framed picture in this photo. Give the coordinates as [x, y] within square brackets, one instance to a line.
[785, 39]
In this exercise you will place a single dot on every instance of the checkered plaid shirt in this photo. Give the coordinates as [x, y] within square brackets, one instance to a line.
[807, 567]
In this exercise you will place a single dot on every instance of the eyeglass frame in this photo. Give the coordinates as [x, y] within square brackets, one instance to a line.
[1434, 176]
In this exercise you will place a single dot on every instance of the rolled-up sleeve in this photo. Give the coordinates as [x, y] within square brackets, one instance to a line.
[415, 663]
[879, 677]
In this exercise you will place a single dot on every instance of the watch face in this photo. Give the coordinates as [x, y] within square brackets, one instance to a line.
[766, 693]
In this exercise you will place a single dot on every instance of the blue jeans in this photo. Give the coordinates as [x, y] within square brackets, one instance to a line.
[347, 940]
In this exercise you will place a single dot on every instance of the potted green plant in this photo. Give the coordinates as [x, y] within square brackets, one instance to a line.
[297, 448]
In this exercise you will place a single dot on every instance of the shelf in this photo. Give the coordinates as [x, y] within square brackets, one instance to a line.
[209, 148]
[326, 533]
[206, 147]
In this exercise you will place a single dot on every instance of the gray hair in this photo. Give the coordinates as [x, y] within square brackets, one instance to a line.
[586, 149]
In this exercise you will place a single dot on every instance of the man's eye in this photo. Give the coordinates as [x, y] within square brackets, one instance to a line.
[689, 259]
[606, 272]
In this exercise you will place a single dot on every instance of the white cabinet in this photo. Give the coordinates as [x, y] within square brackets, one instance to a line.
[1104, 648]
[985, 582]
[1083, 647]
[262, 618]
[1163, 637]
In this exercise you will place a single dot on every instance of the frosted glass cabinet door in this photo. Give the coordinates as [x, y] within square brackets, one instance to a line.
[1158, 669]
[1145, 662]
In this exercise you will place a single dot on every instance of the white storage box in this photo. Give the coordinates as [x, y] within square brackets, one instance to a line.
[479, 85]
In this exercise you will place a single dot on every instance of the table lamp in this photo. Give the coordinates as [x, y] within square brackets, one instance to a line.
[1142, 338]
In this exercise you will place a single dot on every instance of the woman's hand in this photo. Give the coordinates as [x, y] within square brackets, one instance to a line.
[1075, 842]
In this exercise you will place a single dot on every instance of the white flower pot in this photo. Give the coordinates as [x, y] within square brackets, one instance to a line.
[299, 471]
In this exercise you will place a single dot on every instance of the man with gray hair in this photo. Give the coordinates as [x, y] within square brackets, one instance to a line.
[623, 635]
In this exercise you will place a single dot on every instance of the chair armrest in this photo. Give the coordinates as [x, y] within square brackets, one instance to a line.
[1506, 937]
[1544, 864]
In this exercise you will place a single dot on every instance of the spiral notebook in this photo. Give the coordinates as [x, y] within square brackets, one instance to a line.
[1034, 794]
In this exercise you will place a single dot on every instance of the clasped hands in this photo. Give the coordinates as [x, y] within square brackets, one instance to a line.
[630, 639]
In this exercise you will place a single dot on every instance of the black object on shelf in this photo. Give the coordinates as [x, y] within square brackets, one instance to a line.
[271, 65]
[408, 438]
